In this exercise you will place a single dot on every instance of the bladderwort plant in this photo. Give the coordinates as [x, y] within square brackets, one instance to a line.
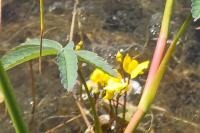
[105, 82]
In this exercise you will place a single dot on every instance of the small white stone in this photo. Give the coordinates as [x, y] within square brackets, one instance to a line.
[135, 85]
[121, 50]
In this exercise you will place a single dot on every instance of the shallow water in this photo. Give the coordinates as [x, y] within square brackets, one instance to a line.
[108, 26]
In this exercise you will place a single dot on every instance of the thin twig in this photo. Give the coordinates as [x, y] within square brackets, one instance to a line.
[80, 27]
[63, 124]
[73, 20]
[82, 112]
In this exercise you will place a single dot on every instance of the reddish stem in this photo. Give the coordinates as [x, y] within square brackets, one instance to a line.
[157, 57]
[134, 120]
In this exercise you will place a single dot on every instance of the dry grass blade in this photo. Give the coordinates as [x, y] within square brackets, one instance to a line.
[157, 108]
[63, 124]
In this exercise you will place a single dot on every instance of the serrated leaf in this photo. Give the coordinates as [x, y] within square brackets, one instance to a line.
[93, 58]
[196, 9]
[28, 51]
[68, 66]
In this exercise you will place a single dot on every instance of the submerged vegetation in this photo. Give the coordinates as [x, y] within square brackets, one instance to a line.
[103, 92]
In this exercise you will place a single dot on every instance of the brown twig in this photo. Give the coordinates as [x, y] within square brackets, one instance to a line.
[83, 114]
[63, 124]
[73, 20]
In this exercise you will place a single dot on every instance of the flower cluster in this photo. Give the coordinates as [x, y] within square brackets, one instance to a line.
[113, 86]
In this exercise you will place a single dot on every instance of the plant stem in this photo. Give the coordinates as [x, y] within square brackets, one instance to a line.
[41, 34]
[0, 15]
[73, 20]
[96, 118]
[111, 109]
[11, 102]
[149, 95]
[116, 106]
[116, 112]
[124, 106]
[125, 100]
[161, 43]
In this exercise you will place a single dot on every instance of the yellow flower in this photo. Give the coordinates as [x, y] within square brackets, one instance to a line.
[79, 45]
[119, 56]
[93, 87]
[115, 87]
[139, 69]
[132, 66]
[129, 64]
[99, 77]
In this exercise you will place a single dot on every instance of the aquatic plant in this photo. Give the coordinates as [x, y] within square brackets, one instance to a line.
[105, 82]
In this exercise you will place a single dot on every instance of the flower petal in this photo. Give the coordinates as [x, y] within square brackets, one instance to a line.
[127, 60]
[139, 69]
[109, 95]
[119, 56]
[100, 77]
[132, 65]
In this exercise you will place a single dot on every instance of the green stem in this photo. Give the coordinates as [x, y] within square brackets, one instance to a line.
[92, 103]
[161, 43]
[111, 109]
[157, 57]
[149, 95]
[11, 102]
[125, 100]
[124, 107]
[41, 34]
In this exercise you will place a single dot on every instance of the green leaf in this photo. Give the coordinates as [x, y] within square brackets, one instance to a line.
[68, 66]
[29, 50]
[45, 43]
[97, 61]
[70, 45]
[196, 9]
